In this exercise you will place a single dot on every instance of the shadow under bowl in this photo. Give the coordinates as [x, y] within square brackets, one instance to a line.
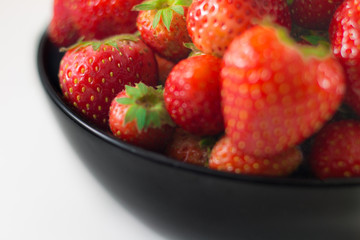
[182, 201]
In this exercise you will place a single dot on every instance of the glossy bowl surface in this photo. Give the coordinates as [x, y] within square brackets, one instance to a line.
[183, 201]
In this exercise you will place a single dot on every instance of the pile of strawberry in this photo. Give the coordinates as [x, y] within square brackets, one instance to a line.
[257, 87]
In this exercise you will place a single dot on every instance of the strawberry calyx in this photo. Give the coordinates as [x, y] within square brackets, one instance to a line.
[208, 143]
[164, 10]
[194, 50]
[319, 48]
[315, 39]
[147, 106]
[96, 44]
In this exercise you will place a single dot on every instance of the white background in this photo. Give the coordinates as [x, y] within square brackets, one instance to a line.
[45, 191]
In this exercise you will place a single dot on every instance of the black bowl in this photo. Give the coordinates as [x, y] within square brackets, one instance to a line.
[183, 201]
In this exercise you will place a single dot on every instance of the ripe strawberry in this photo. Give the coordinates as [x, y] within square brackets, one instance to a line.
[212, 24]
[189, 148]
[336, 150]
[164, 68]
[276, 93]
[162, 25]
[103, 18]
[92, 73]
[225, 156]
[138, 116]
[61, 30]
[192, 95]
[344, 36]
[91, 19]
[313, 14]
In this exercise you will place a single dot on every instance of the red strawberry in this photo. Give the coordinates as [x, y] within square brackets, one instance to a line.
[62, 31]
[276, 93]
[336, 150]
[92, 73]
[103, 18]
[164, 68]
[189, 148]
[138, 116]
[212, 24]
[192, 95]
[313, 14]
[91, 19]
[225, 156]
[162, 25]
[344, 37]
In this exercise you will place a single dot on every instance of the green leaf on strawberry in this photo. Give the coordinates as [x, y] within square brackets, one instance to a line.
[157, 19]
[194, 50]
[138, 116]
[178, 9]
[316, 39]
[318, 47]
[164, 8]
[96, 44]
[148, 5]
[166, 15]
[125, 101]
[146, 106]
[133, 92]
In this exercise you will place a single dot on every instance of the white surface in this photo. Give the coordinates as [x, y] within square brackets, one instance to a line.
[45, 191]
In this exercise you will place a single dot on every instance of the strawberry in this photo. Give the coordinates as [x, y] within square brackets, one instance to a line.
[91, 19]
[61, 30]
[189, 148]
[313, 14]
[276, 93]
[192, 95]
[92, 73]
[164, 68]
[103, 18]
[344, 37]
[336, 149]
[138, 116]
[226, 156]
[162, 25]
[212, 24]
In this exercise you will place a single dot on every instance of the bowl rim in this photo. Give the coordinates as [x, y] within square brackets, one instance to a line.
[162, 159]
